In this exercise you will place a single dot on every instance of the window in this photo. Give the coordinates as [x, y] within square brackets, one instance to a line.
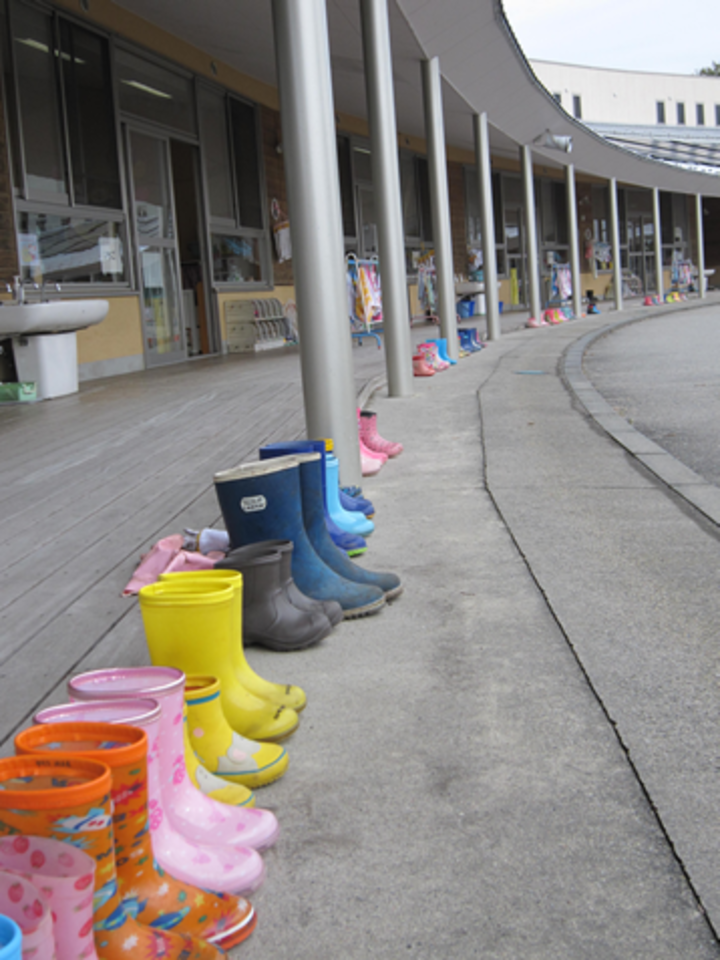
[150, 91]
[717, 114]
[557, 97]
[346, 189]
[65, 152]
[681, 114]
[700, 114]
[231, 165]
[660, 110]
[577, 106]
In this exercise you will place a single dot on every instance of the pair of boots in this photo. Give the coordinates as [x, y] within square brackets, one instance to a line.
[194, 622]
[282, 499]
[275, 613]
[373, 446]
[469, 340]
[85, 784]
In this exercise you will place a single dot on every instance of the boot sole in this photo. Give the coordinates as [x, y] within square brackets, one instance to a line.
[365, 611]
[232, 938]
[392, 594]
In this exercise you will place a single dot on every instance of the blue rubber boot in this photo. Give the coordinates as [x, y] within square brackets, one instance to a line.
[263, 501]
[357, 503]
[442, 350]
[351, 542]
[311, 484]
[352, 521]
[467, 341]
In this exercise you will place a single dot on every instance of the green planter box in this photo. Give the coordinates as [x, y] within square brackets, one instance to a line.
[18, 392]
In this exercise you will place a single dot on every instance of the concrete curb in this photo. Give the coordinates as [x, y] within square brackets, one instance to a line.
[690, 486]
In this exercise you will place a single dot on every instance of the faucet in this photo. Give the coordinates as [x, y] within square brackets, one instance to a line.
[42, 290]
[18, 289]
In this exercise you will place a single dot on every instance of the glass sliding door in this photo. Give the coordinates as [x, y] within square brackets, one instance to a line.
[155, 232]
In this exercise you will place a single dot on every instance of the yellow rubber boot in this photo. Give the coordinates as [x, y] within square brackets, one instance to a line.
[221, 750]
[281, 694]
[234, 794]
[192, 630]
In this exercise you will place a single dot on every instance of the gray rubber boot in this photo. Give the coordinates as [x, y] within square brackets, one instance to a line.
[332, 610]
[269, 618]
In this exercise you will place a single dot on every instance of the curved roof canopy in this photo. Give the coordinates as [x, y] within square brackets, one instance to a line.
[482, 65]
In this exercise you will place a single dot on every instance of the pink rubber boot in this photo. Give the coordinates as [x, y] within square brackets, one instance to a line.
[65, 879]
[430, 353]
[372, 439]
[243, 826]
[420, 367]
[20, 900]
[190, 832]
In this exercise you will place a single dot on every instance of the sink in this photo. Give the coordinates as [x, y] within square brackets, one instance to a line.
[56, 316]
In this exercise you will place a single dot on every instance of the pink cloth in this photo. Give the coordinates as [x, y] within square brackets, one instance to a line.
[168, 556]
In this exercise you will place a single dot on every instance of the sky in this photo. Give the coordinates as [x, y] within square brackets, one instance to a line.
[650, 35]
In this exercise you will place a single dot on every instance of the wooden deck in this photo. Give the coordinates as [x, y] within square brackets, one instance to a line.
[89, 482]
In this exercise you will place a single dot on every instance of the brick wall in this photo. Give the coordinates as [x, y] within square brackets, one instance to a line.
[8, 251]
[456, 184]
[275, 182]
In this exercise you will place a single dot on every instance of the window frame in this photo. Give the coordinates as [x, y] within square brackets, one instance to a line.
[680, 114]
[660, 112]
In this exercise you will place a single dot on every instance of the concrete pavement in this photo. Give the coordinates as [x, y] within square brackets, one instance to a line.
[518, 757]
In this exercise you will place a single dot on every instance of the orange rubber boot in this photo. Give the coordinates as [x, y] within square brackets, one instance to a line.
[146, 891]
[67, 797]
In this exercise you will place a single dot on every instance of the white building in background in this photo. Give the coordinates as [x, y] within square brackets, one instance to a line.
[664, 116]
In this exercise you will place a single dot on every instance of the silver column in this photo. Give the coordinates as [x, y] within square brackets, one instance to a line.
[615, 240]
[574, 238]
[386, 188]
[313, 185]
[440, 202]
[533, 266]
[484, 175]
[700, 244]
[657, 227]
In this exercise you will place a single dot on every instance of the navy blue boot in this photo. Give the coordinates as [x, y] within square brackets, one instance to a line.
[263, 501]
[314, 517]
[352, 543]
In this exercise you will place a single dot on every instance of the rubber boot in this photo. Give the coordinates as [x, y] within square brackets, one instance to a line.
[219, 748]
[64, 878]
[371, 438]
[332, 610]
[280, 694]
[251, 828]
[263, 501]
[353, 544]
[67, 797]
[389, 583]
[173, 799]
[421, 368]
[268, 618]
[20, 900]
[157, 896]
[352, 521]
[442, 350]
[10, 939]
[357, 503]
[176, 622]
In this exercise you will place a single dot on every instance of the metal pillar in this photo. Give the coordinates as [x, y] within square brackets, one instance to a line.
[657, 227]
[313, 184]
[484, 175]
[533, 267]
[386, 188]
[615, 239]
[440, 202]
[574, 239]
[700, 244]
